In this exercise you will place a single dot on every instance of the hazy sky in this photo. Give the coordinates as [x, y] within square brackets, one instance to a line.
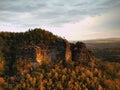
[72, 19]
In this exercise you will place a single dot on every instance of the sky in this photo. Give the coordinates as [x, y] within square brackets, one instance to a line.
[71, 19]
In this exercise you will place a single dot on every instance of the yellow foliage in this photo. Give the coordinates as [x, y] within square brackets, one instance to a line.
[109, 84]
[83, 75]
[1, 67]
[31, 79]
[41, 76]
[56, 75]
[59, 77]
[50, 82]
[89, 73]
[24, 85]
[28, 76]
[117, 84]
[100, 87]
[77, 69]
[63, 78]
[64, 71]
[2, 81]
[59, 85]
[1, 88]
[73, 74]
[88, 80]
[96, 71]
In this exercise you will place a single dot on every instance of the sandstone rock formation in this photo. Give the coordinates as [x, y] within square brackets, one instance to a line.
[40, 46]
[68, 53]
[62, 51]
[81, 53]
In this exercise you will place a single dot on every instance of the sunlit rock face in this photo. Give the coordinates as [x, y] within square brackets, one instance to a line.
[68, 54]
[33, 53]
[40, 55]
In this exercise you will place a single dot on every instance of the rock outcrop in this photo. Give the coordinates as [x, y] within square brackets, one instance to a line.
[62, 51]
[68, 53]
[80, 53]
[54, 53]
[39, 46]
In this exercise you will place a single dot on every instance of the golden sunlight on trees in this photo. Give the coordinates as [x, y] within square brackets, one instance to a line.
[60, 77]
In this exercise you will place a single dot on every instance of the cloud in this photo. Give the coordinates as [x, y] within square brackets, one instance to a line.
[52, 12]
[109, 21]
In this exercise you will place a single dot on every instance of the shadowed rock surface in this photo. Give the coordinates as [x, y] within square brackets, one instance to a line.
[81, 53]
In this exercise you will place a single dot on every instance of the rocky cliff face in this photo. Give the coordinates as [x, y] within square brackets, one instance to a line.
[68, 53]
[21, 51]
[62, 51]
[32, 53]
[54, 53]
[40, 46]
[80, 52]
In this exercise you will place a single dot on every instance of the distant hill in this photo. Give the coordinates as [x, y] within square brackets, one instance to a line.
[108, 40]
[103, 43]
[105, 49]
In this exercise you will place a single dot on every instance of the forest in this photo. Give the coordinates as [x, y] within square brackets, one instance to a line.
[64, 76]
[96, 74]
